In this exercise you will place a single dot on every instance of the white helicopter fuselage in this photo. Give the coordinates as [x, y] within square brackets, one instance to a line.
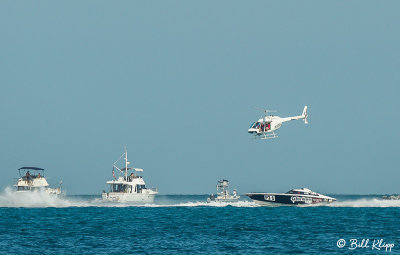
[270, 123]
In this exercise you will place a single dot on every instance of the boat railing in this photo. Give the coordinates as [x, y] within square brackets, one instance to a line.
[31, 177]
[131, 178]
[153, 189]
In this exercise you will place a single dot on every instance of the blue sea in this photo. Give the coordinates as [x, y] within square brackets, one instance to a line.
[186, 224]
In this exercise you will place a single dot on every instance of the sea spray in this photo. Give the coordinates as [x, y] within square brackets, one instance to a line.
[366, 202]
[31, 199]
[41, 199]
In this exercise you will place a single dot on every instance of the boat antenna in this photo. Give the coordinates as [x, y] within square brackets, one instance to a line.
[126, 164]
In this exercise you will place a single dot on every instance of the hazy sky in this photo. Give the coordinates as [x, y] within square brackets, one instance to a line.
[177, 82]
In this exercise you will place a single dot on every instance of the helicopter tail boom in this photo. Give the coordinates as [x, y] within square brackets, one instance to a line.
[302, 116]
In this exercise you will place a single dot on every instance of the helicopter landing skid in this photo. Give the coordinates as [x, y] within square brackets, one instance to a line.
[269, 136]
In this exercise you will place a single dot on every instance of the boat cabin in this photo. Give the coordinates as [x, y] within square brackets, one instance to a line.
[126, 188]
[303, 191]
[31, 178]
[128, 183]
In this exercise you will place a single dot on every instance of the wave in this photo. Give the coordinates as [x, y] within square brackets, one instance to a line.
[211, 204]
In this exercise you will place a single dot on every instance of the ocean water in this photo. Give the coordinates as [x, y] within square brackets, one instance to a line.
[39, 224]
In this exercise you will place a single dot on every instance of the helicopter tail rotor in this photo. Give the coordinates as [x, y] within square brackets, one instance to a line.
[305, 115]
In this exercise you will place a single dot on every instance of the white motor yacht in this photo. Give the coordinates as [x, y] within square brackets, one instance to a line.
[128, 186]
[223, 193]
[32, 179]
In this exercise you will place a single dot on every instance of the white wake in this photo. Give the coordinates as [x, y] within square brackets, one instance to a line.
[41, 199]
[10, 198]
[366, 202]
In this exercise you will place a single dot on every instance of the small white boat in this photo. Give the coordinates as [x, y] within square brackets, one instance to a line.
[32, 179]
[391, 197]
[128, 186]
[223, 193]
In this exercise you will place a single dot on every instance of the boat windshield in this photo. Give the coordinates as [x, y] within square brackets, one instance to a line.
[297, 192]
[301, 192]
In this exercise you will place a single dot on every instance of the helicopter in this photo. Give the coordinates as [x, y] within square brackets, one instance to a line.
[265, 127]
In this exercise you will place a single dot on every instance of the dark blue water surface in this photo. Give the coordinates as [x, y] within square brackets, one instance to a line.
[184, 224]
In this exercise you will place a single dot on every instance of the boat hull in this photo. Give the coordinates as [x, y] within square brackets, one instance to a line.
[267, 199]
[50, 191]
[128, 197]
[222, 200]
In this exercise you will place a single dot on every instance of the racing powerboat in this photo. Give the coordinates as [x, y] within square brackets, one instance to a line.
[32, 179]
[129, 186]
[301, 196]
[223, 193]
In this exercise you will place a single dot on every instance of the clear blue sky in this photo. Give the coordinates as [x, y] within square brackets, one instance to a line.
[177, 82]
